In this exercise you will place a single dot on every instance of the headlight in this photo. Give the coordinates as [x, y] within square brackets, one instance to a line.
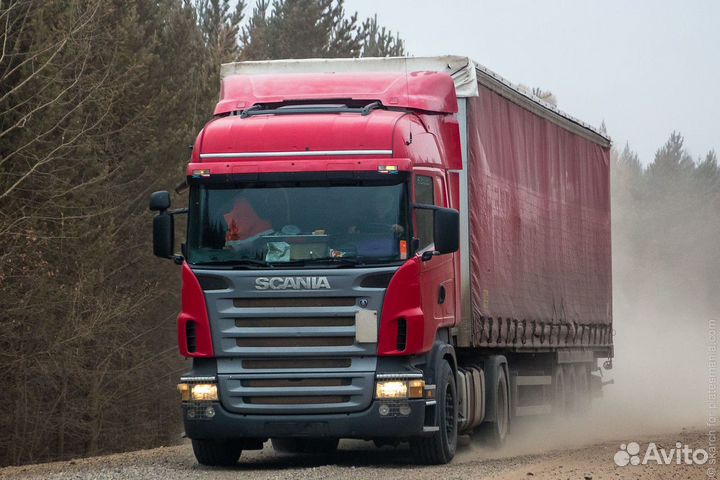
[391, 389]
[400, 388]
[204, 392]
[198, 392]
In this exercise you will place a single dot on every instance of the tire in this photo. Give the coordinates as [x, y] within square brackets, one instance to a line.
[440, 447]
[217, 453]
[495, 433]
[558, 389]
[571, 397]
[582, 391]
[318, 446]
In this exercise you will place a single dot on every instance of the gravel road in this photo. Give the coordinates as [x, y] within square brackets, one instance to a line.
[537, 452]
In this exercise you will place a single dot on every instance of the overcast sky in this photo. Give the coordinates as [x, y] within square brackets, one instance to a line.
[645, 67]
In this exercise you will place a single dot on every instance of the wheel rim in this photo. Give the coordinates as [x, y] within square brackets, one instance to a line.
[449, 412]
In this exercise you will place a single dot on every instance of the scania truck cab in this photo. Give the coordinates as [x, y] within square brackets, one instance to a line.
[320, 216]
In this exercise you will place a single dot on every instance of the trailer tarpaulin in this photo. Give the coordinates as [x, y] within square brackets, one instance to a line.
[539, 230]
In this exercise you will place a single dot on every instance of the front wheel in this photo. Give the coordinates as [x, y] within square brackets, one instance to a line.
[217, 453]
[440, 447]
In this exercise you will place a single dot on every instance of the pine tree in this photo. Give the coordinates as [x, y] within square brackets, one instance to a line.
[313, 29]
[377, 41]
[671, 160]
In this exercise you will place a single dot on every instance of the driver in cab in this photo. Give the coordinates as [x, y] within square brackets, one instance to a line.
[244, 225]
[381, 217]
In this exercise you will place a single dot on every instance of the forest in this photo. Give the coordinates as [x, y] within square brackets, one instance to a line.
[99, 100]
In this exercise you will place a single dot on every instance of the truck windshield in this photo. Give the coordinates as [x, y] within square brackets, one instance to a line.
[267, 225]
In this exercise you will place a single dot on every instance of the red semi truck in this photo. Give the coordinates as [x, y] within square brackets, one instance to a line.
[397, 249]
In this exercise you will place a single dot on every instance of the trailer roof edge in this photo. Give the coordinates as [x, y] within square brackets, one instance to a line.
[466, 73]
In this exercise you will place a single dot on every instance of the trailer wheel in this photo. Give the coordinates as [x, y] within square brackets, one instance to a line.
[495, 433]
[439, 448]
[319, 446]
[582, 379]
[558, 400]
[571, 389]
[217, 453]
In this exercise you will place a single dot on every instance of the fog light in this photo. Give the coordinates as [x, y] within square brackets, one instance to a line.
[204, 392]
[384, 409]
[210, 412]
[404, 410]
[391, 389]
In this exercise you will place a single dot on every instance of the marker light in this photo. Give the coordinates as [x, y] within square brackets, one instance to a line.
[416, 388]
[205, 172]
[387, 168]
[403, 250]
[184, 390]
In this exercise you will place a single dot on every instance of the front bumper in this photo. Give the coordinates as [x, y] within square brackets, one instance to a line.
[367, 424]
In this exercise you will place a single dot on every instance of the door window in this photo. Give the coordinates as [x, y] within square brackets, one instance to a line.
[425, 194]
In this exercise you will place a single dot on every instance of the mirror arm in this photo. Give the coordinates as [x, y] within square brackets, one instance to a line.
[182, 187]
[427, 255]
[177, 211]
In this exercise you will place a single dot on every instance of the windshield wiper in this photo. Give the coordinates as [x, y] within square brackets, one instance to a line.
[244, 263]
[337, 262]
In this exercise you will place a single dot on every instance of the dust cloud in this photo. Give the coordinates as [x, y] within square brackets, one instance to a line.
[662, 313]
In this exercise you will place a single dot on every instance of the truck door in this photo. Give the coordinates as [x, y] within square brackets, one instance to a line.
[437, 281]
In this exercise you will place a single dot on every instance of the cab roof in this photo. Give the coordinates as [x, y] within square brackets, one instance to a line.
[421, 90]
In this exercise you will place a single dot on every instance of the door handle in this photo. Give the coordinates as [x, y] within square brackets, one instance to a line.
[441, 294]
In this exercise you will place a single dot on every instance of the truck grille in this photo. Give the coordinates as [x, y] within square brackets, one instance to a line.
[294, 302]
[296, 392]
[294, 352]
[297, 355]
[289, 326]
[296, 400]
[295, 342]
[299, 382]
[295, 322]
[296, 363]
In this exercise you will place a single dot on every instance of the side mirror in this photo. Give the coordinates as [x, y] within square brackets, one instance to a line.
[160, 201]
[446, 230]
[163, 234]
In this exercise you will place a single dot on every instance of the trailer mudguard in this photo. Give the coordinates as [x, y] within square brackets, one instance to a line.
[492, 366]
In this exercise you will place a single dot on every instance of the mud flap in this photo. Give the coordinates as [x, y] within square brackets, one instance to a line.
[491, 365]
